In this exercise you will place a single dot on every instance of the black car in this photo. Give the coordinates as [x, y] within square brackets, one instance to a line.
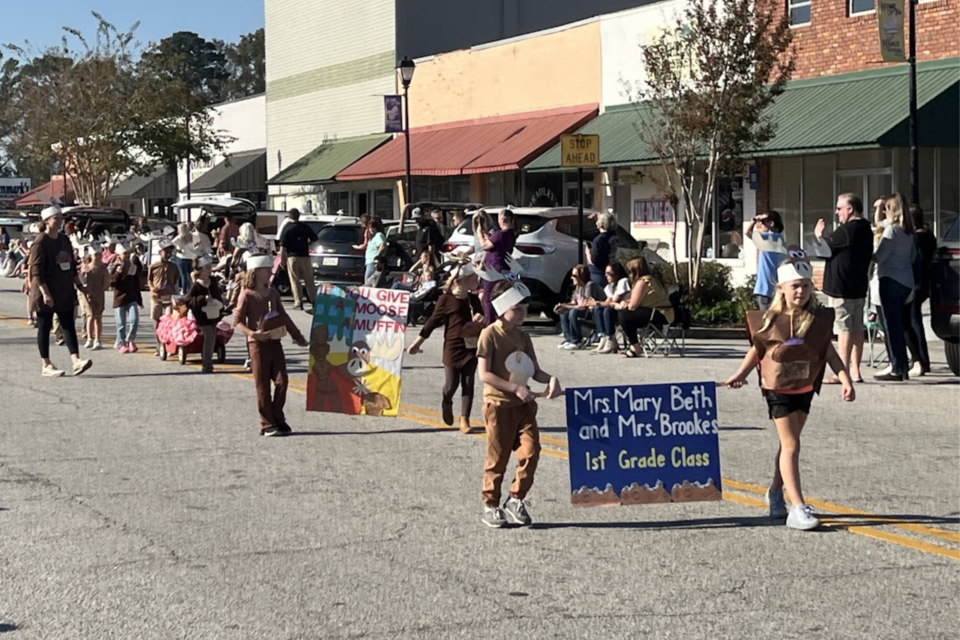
[945, 295]
[335, 261]
[94, 222]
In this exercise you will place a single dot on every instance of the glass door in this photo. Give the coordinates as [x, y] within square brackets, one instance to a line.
[868, 184]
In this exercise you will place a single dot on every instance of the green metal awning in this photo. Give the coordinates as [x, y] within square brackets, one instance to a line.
[862, 110]
[326, 161]
[620, 143]
[867, 109]
[240, 172]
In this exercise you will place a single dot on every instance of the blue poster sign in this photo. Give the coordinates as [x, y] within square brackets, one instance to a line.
[643, 444]
[392, 114]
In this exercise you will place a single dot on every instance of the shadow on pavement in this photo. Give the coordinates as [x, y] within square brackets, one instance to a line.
[854, 520]
[702, 523]
[6, 627]
[361, 433]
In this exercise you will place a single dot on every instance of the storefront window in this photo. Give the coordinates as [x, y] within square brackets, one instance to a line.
[383, 203]
[338, 200]
[723, 237]
[785, 185]
[543, 190]
[927, 177]
[460, 189]
[949, 201]
[864, 159]
[818, 197]
[573, 195]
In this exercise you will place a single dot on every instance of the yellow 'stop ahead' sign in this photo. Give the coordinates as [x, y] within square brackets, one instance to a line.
[580, 150]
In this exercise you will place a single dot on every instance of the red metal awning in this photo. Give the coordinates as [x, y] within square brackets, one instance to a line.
[43, 195]
[486, 145]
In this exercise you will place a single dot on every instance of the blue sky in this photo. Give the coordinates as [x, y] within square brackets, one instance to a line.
[40, 21]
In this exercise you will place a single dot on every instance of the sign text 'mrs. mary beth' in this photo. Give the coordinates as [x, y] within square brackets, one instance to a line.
[643, 444]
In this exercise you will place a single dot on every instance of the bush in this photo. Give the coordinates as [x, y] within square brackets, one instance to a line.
[717, 302]
[714, 282]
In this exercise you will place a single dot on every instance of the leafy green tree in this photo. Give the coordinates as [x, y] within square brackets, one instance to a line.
[246, 67]
[711, 75]
[187, 57]
[104, 116]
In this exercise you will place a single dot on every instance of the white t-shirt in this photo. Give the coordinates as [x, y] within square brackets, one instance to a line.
[621, 288]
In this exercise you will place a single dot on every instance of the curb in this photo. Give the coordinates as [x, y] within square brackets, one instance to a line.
[717, 333]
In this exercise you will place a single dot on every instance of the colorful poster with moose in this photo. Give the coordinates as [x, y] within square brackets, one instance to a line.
[356, 350]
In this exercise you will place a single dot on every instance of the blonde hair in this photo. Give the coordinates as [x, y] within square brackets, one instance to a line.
[895, 210]
[778, 306]
[250, 279]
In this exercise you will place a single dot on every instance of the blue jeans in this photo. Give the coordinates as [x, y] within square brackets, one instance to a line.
[368, 271]
[570, 323]
[606, 320]
[128, 321]
[184, 267]
[896, 319]
[599, 278]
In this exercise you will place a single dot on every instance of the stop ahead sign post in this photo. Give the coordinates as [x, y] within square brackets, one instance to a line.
[580, 151]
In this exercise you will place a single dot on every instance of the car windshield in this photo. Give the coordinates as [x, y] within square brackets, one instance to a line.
[316, 225]
[341, 234]
[953, 233]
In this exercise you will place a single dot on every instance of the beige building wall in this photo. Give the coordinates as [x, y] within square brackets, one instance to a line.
[324, 82]
[556, 68]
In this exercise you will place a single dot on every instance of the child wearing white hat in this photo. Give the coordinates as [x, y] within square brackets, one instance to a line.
[507, 362]
[127, 299]
[164, 278]
[97, 279]
[459, 311]
[261, 318]
[791, 346]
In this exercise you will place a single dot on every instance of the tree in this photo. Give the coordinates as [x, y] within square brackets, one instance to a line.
[710, 78]
[187, 57]
[246, 67]
[102, 115]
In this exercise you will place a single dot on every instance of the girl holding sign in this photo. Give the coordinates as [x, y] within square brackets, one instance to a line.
[791, 346]
[260, 316]
[462, 315]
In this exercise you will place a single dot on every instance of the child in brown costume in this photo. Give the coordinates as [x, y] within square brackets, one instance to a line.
[507, 361]
[97, 280]
[206, 303]
[260, 317]
[462, 315]
[791, 346]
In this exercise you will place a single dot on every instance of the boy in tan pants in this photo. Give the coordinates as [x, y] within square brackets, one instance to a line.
[507, 361]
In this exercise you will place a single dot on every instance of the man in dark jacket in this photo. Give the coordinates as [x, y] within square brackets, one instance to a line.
[429, 237]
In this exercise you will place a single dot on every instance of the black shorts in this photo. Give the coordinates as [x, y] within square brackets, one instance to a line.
[780, 405]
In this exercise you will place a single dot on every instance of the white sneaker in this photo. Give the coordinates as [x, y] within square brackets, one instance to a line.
[571, 346]
[50, 371]
[80, 366]
[88, 344]
[97, 345]
[916, 371]
[246, 364]
[563, 345]
[776, 504]
[883, 372]
[801, 518]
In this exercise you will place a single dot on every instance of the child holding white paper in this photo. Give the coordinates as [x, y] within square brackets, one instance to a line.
[507, 362]
[791, 345]
[260, 316]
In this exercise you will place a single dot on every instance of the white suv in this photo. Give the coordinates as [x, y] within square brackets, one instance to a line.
[547, 248]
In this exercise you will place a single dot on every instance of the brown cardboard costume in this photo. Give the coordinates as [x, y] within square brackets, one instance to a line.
[787, 362]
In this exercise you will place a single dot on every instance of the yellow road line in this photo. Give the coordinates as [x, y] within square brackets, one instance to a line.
[943, 534]
[299, 386]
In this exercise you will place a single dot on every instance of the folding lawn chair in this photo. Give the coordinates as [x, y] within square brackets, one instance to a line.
[668, 338]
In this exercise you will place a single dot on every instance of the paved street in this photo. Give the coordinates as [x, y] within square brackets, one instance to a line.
[139, 502]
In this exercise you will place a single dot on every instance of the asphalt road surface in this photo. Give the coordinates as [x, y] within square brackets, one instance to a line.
[138, 501]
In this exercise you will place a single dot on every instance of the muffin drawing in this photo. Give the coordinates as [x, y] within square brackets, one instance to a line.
[593, 497]
[521, 368]
[696, 492]
[635, 494]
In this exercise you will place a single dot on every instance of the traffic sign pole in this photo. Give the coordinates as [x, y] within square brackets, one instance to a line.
[580, 212]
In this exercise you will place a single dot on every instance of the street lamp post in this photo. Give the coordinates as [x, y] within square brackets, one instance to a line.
[407, 67]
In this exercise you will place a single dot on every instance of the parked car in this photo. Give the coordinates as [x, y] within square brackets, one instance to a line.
[547, 249]
[217, 210]
[335, 261]
[945, 295]
[93, 222]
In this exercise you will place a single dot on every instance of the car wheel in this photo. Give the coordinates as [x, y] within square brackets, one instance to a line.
[182, 352]
[953, 356]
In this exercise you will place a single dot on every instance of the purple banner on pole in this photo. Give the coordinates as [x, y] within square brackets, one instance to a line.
[392, 114]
